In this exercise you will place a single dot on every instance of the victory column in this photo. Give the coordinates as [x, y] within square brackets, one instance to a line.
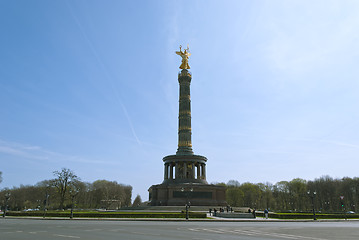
[185, 173]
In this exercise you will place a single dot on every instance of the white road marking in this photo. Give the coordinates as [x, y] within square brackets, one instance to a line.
[214, 230]
[275, 234]
[90, 230]
[116, 230]
[290, 236]
[245, 232]
[139, 233]
[144, 233]
[66, 236]
[255, 232]
[194, 229]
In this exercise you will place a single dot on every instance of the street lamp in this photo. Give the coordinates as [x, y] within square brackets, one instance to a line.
[188, 203]
[73, 193]
[343, 206]
[46, 203]
[7, 197]
[312, 196]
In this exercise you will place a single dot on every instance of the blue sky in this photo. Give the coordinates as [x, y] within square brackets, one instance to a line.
[92, 86]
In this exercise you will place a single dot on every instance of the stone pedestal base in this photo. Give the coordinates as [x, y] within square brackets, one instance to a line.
[194, 193]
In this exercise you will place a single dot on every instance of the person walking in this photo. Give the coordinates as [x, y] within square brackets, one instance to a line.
[266, 213]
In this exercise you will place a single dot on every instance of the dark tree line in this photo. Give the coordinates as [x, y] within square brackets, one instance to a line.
[330, 195]
[59, 192]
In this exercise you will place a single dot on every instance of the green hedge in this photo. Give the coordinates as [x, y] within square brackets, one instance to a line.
[310, 216]
[108, 214]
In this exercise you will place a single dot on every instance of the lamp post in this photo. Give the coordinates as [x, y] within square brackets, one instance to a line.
[312, 196]
[45, 203]
[73, 193]
[7, 197]
[343, 206]
[188, 203]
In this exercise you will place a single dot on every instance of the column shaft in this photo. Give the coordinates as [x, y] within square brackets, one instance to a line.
[204, 171]
[198, 171]
[193, 172]
[176, 171]
[185, 170]
[171, 171]
[166, 171]
[184, 115]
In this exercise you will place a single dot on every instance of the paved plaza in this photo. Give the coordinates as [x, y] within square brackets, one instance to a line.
[191, 230]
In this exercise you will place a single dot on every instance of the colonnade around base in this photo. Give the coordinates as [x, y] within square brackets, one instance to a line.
[184, 170]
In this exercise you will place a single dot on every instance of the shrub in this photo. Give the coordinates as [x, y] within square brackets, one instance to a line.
[109, 214]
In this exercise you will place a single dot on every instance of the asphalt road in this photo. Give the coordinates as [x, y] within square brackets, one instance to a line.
[143, 230]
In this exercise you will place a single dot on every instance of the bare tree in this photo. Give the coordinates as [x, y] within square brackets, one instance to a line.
[105, 192]
[63, 181]
[0, 176]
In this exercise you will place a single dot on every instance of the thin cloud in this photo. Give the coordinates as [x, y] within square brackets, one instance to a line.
[104, 69]
[298, 46]
[25, 151]
[349, 145]
[130, 123]
[39, 153]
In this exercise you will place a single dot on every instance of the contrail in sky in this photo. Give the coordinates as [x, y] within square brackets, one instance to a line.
[124, 109]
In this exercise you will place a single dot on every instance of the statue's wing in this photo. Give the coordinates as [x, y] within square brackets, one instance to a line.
[179, 53]
[189, 54]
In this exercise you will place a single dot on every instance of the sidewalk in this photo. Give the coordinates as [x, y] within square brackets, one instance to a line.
[208, 219]
[262, 219]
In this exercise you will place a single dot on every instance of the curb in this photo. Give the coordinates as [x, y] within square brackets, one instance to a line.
[184, 220]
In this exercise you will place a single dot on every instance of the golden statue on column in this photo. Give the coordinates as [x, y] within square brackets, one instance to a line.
[185, 55]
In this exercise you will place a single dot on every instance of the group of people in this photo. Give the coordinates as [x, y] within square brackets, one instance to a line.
[252, 211]
[228, 209]
[266, 212]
